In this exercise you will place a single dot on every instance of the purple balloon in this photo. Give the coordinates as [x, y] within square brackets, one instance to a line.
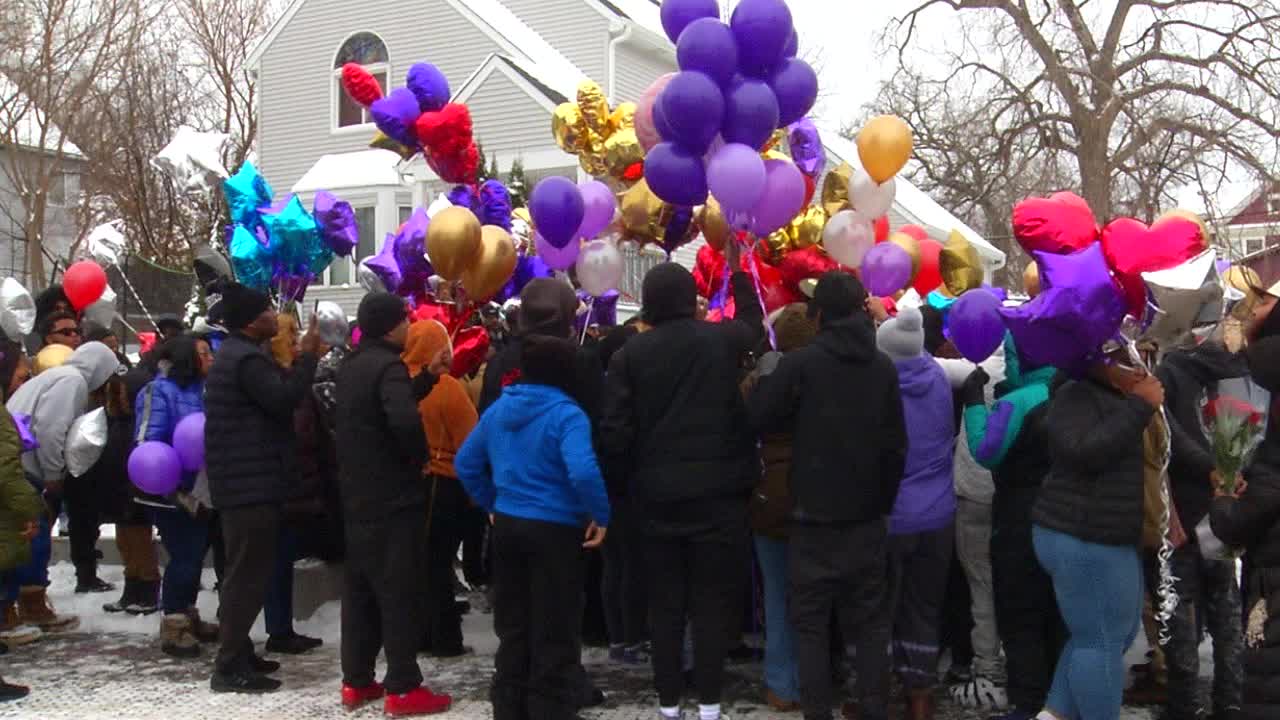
[886, 269]
[557, 209]
[660, 124]
[556, 258]
[337, 223]
[528, 267]
[1000, 293]
[675, 175]
[762, 28]
[975, 325]
[796, 86]
[692, 109]
[384, 265]
[707, 46]
[678, 14]
[736, 177]
[155, 468]
[806, 147]
[750, 113]
[410, 246]
[428, 85]
[783, 197]
[22, 423]
[395, 115]
[792, 47]
[188, 440]
[599, 204]
[603, 310]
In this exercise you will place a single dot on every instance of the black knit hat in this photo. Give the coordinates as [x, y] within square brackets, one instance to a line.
[670, 293]
[547, 307]
[380, 313]
[838, 295]
[241, 305]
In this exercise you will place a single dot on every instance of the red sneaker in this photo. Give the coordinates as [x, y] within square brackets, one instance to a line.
[419, 701]
[354, 697]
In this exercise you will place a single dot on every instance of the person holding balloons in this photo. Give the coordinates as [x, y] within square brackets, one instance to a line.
[177, 392]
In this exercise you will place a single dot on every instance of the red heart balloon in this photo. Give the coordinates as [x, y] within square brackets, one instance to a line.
[360, 85]
[1060, 224]
[470, 349]
[1133, 248]
[915, 231]
[799, 265]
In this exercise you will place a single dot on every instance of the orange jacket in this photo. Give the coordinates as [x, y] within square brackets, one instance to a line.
[448, 415]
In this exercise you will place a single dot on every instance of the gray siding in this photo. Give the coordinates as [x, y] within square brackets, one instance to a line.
[507, 120]
[59, 226]
[297, 71]
[636, 70]
[580, 33]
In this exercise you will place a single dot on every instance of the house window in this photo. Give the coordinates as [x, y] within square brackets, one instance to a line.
[368, 50]
[1253, 245]
[406, 211]
[64, 189]
[1273, 203]
[343, 270]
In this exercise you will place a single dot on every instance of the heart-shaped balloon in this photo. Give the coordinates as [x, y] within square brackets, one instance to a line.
[1059, 224]
[798, 265]
[1133, 248]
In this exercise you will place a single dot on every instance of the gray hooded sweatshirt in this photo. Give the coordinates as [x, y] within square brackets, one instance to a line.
[54, 399]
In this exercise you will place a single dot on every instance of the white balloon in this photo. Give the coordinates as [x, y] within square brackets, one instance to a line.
[17, 310]
[599, 267]
[193, 159]
[441, 202]
[103, 310]
[331, 324]
[847, 237]
[868, 198]
[106, 243]
[85, 441]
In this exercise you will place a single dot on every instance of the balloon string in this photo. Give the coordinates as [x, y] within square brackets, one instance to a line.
[722, 294]
[755, 280]
[141, 305]
[586, 323]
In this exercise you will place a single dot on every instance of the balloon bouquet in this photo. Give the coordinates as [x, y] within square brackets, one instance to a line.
[157, 467]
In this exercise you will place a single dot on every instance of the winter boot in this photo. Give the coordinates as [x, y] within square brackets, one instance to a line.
[14, 632]
[144, 602]
[418, 701]
[205, 632]
[93, 585]
[12, 692]
[34, 608]
[176, 638]
[920, 705]
[126, 597]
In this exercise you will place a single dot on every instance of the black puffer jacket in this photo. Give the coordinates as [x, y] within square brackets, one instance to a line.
[1094, 488]
[249, 406]
[1187, 376]
[674, 424]
[840, 398]
[382, 447]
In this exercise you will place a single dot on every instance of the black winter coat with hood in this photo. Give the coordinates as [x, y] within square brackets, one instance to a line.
[675, 426]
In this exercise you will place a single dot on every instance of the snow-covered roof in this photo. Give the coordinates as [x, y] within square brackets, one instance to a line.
[21, 122]
[359, 169]
[1225, 201]
[523, 44]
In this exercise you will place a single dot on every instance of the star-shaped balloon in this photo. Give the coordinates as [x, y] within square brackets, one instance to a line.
[106, 243]
[293, 234]
[602, 311]
[337, 222]
[193, 159]
[381, 272]
[250, 258]
[411, 252]
[246, 192]
[1186, 297]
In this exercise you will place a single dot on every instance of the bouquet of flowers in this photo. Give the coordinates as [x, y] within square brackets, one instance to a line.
[1234, 428]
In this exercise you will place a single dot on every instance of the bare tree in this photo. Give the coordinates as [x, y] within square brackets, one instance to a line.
[1134, 97]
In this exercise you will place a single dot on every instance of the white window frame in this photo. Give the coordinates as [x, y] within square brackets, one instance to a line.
[335, 87]
[353, 278]
[1273, 203]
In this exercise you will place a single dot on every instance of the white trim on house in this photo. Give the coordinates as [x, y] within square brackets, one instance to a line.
[260, 48]
[522, 43]
[335, 87]
[500, 63]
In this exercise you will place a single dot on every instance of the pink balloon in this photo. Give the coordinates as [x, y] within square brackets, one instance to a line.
[645, 131]
[599, 204]
[556, 258]
[783, 197]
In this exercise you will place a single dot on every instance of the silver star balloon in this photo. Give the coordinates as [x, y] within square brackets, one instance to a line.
[1186, 297]
[193, 159]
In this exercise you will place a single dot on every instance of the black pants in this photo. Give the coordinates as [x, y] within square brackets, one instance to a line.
[538, 571]
[845, 570]
[218, 547]
[1027, 616]
[448, 508]
[249, 534]
[384, 600]
[919, 564]
[476, 560]
[80, 500]
[701, 579]
[623, 586]
[956, 632]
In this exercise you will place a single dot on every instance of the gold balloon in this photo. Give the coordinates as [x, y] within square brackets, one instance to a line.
[778, 243]
[382, 142]
[623, 117]
[51, 357]
[835, 189]
[912, 246]
[594, 107]
[453, 242]
[714, 227]
[1245, 280]
[493, 266]
[621, 151]
[884, 146]
[522, 213]
[1205, 235]
[775, 141]
[566, 127]
[1031, 280]
[806, 229]
[960, 265]
[774, 155]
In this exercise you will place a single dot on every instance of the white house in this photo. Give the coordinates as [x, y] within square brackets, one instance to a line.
[510, 61]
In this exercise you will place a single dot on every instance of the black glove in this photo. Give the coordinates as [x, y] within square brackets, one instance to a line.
[423, 385]
[972, 392]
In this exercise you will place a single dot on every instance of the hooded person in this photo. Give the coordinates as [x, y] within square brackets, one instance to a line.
[384, 501]
[837, 387]
[447, 418]
[53, 400]
[252, 469]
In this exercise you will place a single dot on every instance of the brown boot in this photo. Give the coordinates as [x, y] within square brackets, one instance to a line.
[920, 705]
[35, 609]
[176, 638]
[205, 632]
[778, 704]
[13, 631]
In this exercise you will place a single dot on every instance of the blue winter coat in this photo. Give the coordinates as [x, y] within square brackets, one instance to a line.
[159, 407]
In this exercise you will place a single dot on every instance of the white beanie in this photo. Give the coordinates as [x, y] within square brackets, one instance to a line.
[902, 338]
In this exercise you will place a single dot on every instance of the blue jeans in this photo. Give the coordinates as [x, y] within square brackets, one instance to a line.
[781, 671]
[35, 571]
[185, 539]
[1099, 591]
[277, 609]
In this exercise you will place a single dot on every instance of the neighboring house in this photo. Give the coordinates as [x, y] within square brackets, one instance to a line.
[27, 156]
[510, 61]
[1254, 227]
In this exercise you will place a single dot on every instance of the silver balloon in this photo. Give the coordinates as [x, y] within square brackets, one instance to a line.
[193, 159]
[85, 441]
[106, 243]
[331, 324]
[369, 279]
[17, 310]
[103, 310]
[1187, 296]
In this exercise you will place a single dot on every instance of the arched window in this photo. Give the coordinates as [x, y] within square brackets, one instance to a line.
[368, 50]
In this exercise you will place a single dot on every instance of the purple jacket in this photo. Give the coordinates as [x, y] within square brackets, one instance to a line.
[927, 498]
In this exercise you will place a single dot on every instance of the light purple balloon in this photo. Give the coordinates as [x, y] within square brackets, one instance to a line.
[886, 269]
[783, 197]
[155, 468]
[736, 176]
[188, 440]
[599, 204]
[556, 258]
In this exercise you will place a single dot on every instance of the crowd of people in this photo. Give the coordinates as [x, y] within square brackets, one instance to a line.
[897, 503]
